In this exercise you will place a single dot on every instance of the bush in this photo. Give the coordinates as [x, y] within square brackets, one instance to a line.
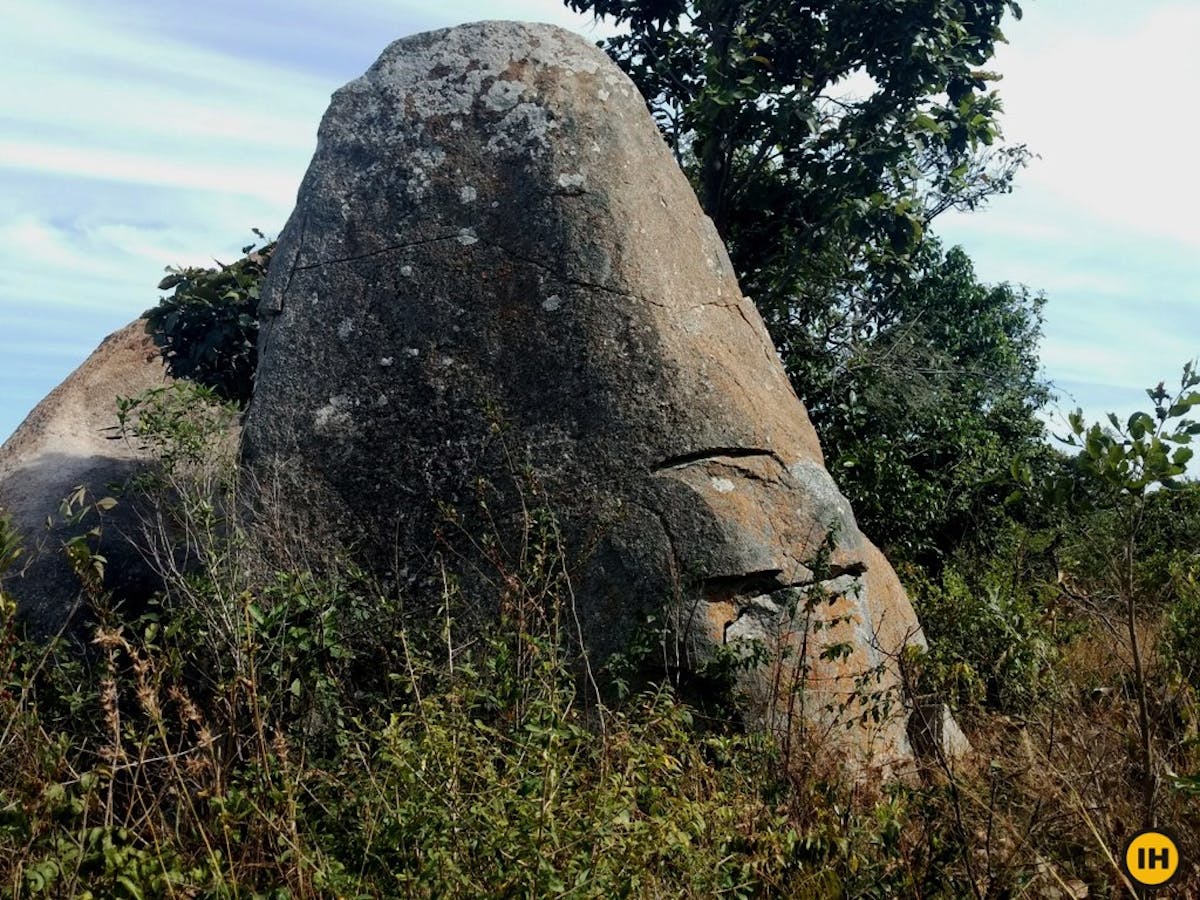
[280, 733]
[270, 731]
[208, 327]
[1169, 542]
[1182, 638]
[990, 642]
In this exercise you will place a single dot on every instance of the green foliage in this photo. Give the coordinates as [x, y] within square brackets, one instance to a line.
[1092, 535]
[1181, 653]
[192, 488]
[752, 97]
[1136, 518]
[538, 805]
[179, 423]
[82, 548]
[992, 644]
[10, 543]
[286, 733]
[294, 734]
[208, 326]
[1170, 540]
[924, 402]
[294, 738]
[103, 862]
[483, 778]
[11, 547]
[1150, 449]
[1182, 637]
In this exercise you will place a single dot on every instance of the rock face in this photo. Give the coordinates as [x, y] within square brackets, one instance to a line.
[495, 270]
[68, 440]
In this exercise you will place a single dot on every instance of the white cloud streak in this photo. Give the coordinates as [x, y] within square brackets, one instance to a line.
[226, 176]
[1104, 219]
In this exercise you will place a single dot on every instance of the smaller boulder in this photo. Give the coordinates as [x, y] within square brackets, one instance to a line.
[72, 439]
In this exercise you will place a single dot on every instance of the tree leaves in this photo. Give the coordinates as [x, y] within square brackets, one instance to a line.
[207, 328]
[925, 397]
[1150, 450]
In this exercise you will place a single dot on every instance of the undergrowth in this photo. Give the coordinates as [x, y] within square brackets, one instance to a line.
[321, 753]
[276, 732]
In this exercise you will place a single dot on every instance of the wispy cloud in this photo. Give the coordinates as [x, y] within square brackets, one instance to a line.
[231, 175]
[1103, 221]
[89, 97]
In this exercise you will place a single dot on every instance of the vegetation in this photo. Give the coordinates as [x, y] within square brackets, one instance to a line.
[272, 732]
[754, 98]
[208, 327]
[924, 406]
[275, 733]
[1149, 451]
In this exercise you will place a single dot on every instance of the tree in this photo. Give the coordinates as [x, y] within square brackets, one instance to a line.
[822, 137]
[207, 328]
[924, 404]
[835, 129]
[1148, 451]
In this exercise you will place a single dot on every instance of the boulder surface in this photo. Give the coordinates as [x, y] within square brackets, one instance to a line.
[498, 287]
[71, 439]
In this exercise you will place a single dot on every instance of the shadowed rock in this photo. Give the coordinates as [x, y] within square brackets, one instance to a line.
[495, 270]
[70, 439]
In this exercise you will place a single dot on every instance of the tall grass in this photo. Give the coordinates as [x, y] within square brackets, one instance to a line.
[274, 731]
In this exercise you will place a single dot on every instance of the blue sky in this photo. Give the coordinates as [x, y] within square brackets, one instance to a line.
[136, 134]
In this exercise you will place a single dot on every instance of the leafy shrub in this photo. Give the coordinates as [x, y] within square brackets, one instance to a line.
[1168, 541]
[990, 644]
[1182, 637]
[180, 423]
[10, 543]
[10, 549]
[284, 733]
[207, 327]
[279, 733]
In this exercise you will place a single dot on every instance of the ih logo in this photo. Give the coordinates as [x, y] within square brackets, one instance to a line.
[1152, 858]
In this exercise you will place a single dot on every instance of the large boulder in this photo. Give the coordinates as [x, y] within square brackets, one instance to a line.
[71, 439]
[497, 275]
